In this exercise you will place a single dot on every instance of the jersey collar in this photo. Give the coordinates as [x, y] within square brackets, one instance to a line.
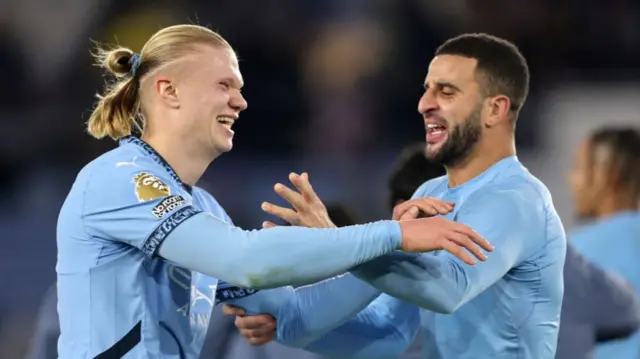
[156, 157]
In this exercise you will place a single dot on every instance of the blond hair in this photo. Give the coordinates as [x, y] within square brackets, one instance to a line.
[117, 112]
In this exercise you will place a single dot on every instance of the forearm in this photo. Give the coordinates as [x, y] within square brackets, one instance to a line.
[306, 313]
[278, 256]
[433, 283]
[383, 330]
[322, 307]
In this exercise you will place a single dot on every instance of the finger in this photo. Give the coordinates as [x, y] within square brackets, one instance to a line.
[457, 251]
[473, 235]
[431, 210]
[424, 206]
[259, 341]
[412, 213]
[268, 224]
[254, 322]
[436, 205]
[231, 310]
[443, 208]
[289, 195]
[464, 241]
[259, 336]
[266, 330]
[401, 209]
[286, 214]
[304, 186]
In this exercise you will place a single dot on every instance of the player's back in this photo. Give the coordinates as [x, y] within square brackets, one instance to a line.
[517, 316]
[114, 295]
[613, 243]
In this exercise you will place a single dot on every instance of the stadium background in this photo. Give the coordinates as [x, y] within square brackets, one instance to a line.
[332, 88]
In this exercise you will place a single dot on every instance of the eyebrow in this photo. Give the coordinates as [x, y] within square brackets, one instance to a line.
[236, 84]
[442, 84]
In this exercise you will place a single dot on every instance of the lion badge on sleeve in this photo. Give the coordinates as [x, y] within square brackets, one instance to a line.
[149, 187]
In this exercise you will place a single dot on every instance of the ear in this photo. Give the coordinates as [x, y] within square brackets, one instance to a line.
[167, 92]
[498, 110]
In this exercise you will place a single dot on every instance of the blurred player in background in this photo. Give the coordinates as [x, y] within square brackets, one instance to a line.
[134, 226]
[598, 306]
[506, 307]
[605, 180]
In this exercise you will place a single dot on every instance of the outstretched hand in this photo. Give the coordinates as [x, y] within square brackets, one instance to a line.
[308, 210]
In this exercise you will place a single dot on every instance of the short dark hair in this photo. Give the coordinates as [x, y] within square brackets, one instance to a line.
[409, 172]
[624, 144]
[500, 63]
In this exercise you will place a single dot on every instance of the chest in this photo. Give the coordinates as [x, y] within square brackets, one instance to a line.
[192, 292]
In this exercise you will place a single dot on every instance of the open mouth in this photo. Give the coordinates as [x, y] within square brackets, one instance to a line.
[226, 121]
[435, 133]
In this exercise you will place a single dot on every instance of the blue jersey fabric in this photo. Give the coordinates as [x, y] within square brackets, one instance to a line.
[507, 307]
[114, 295]
[130, 230]
[613, 244]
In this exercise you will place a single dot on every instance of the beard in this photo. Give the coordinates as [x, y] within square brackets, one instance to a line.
[460, 142]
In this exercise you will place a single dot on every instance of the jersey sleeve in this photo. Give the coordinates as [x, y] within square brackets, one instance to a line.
[510, 219]
[134, 206]
[384, 329]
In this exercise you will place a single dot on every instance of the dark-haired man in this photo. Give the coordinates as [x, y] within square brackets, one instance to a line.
[505, 307]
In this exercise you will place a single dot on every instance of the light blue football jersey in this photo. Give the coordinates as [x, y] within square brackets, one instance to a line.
[115, 297]
[613, 243]
[506, 307]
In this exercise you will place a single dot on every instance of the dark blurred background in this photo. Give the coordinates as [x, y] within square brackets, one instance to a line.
[332, 88]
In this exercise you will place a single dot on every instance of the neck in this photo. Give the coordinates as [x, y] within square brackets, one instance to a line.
[480, 159]
[183, 157]
[616, 203]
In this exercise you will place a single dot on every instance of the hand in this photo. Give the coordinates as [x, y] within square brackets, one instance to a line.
[257, 329]
[308, 210]
[437, 233]
[421, 207]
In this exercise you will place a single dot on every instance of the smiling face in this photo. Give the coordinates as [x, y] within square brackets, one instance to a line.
[451, 108]
[210, 97]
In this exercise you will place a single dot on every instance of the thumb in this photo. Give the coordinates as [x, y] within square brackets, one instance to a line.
[412, 213]
[268, 224]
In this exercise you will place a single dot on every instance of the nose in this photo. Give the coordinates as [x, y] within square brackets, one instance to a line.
[427, 103]
[237, 101]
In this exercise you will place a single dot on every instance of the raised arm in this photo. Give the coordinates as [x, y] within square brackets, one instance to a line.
[274, 257]
[165, 223]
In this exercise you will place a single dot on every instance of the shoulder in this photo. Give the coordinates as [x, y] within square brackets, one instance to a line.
[514, 199]
[211, 204]
[122, 176]
[428, 188]
[516, 187]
